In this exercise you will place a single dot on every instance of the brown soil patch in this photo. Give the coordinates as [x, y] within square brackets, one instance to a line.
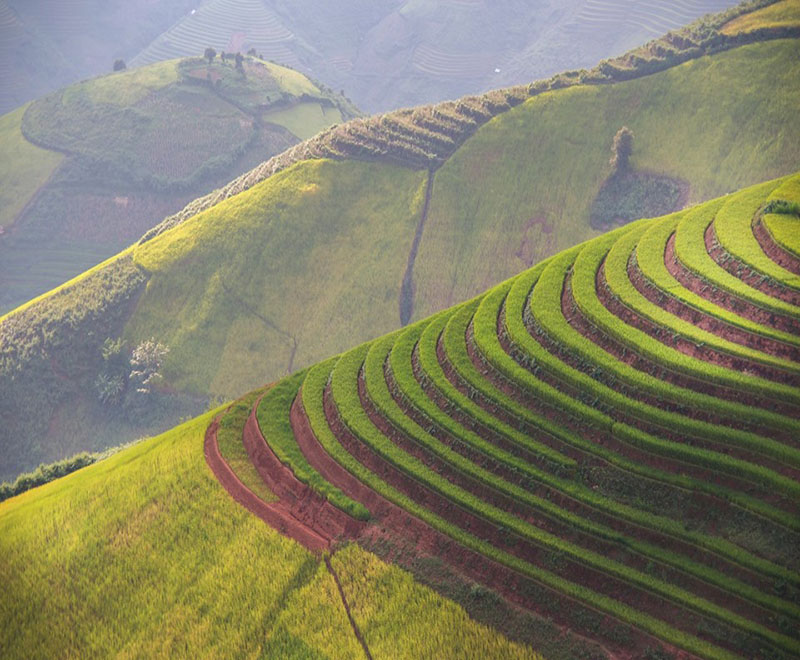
[309, 507]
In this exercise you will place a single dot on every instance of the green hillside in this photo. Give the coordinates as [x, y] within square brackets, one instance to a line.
[146, 556]
[90, 168]
[379, 221]
[596, 458]
[608, 439]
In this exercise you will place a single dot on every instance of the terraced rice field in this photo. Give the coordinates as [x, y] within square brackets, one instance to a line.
[651, 17]
[609, 439]
[227, 25]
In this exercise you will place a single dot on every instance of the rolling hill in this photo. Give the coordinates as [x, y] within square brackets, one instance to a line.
[381, 221]
[87, 170]
[604, 444]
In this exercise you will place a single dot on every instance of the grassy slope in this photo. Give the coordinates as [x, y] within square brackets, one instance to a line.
[140, 144]
[313, 255]
[781, 14]
[715, 122]
[126, 87]
[144, 554]
[483, 198]
[305, 119]
[24, 168]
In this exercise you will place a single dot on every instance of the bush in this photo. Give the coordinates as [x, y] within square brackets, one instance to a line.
[782, 206]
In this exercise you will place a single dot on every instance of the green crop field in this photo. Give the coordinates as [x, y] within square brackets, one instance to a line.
[502, 433]
[114, 543]
[24, 168]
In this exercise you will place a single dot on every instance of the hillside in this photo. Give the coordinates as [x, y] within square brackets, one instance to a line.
[598, 457]
[608, 440]
[399, 53]
[398, 215]
[161, 563]
[87, 170]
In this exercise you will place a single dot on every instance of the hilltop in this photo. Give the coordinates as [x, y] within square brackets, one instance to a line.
[598, 457]
[381, 221]
[88, 169]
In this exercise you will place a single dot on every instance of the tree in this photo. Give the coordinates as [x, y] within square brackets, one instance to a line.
[252, 52]
[112, 381]
[621, 150]
[146, 360]
[119, 65]
[210, 54]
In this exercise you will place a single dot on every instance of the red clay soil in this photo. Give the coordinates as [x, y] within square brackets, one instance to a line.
[536, 516]
[689, 347]
[513, 586]
[631, 357]
[734, 333]
[778, 254]
[502, 538]
[275, 514]
[309, 507]
[696, 507]
[723, 298]
[623, 416]
[586, 511]
[745, 273]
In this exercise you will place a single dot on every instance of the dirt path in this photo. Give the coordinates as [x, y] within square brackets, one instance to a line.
[406, 302]
[353, 624]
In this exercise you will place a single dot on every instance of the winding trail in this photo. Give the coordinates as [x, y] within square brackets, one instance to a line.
[406, 302]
